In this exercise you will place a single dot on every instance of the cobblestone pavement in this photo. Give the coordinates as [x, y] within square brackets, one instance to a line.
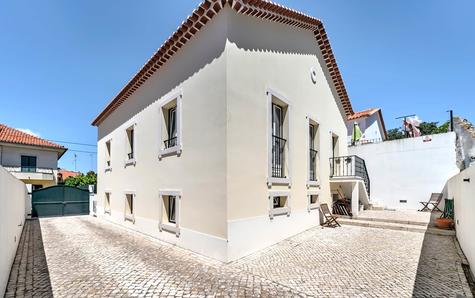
[89, 257]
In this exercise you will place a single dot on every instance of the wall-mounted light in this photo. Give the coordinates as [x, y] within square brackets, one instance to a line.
[313, 74]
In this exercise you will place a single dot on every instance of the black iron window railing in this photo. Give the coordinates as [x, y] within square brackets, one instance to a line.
[108, 163]
[278, 157]
[130, 155]
[313, 165]
[170, 142]
[350, 166]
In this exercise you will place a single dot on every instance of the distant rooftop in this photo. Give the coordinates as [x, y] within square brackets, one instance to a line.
[15, 136]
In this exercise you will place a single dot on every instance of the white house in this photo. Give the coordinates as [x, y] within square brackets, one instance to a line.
[221, 143]
[29, 158]
[371, 124]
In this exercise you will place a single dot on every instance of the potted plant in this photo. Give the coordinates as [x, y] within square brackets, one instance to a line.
[446, 220]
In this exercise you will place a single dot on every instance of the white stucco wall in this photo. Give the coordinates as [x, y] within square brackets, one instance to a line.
[11, 156]
[224, 73]
[13, 195]
[408, 169]
[463, 194]
[198, 71]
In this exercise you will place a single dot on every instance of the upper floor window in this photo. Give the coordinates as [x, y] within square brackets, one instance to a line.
[279, 141]
[130, 145]
[108, 155]
[28, 163]
[171, 128]
[313, 151]
[170, 125]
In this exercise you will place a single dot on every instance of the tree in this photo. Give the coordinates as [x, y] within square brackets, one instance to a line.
[82, 180]
[395, 134]
[426, 128]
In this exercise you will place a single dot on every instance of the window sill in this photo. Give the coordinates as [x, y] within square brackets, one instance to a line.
[279, 181]
[169, 151]
[279, 211]
[130, 162]
[313, 183]
[108, 169]
[130, 218]
[169, 227]
[313, 206]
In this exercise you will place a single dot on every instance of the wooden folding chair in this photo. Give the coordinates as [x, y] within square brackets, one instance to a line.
[434, 200]
[330, 219]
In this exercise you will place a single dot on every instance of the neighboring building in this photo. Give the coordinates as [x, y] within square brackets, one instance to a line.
[31, 159]
[64, 174]
[372, 126]
[221, 143]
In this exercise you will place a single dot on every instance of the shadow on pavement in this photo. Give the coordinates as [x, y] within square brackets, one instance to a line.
[29, 275]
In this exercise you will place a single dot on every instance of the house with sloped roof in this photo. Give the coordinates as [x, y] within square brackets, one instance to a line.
[29, 158]
[371, 124]
[231, 136]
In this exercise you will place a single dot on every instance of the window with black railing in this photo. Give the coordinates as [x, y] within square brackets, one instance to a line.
[171, 140]
[278, 157]
[313, 164]
[131, 141]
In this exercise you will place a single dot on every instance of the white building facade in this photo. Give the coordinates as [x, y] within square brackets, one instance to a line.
[221, 143]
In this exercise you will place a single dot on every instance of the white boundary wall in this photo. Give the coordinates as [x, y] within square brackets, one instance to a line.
[13, 195]
[463, 194]
[409, 169]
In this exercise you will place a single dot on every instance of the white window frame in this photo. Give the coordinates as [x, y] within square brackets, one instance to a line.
[178, 148]
[165, 226]
[131, 217]
[107, 211]
[108, 168]
[275, 180]
[130, 161]
[281, 210]
[313, 120]
[313, 206]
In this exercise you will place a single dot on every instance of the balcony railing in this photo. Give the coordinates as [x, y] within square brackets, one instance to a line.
[278, 157]
[130, 155]
[28, 169]
[350, 166]
[313, 165]
[170, 142]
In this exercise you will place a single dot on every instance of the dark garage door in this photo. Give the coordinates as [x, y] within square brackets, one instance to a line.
[60, 200]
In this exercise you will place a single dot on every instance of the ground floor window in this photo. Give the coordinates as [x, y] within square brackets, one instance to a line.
[129, 207]
[279, 204]
[169, 201]
[107, 203]
[313, 200]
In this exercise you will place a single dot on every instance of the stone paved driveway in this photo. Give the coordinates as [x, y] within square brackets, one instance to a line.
[84, 256]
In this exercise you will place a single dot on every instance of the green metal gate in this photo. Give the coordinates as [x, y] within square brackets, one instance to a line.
[60, 200]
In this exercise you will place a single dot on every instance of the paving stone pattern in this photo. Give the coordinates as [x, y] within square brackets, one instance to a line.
[87, 257]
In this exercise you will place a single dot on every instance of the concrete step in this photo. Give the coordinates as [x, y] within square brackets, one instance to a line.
[395, 226]
[387, 220]
[383, 225]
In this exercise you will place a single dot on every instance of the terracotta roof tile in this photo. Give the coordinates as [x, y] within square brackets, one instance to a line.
[365, 113]
[208, 9]
[15, 136]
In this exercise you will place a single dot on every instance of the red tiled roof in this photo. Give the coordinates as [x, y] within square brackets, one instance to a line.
[66, 174]
[365, 113]
[15, 136]
[206, 11]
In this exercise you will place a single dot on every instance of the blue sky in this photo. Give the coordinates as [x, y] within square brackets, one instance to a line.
[61, 62]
